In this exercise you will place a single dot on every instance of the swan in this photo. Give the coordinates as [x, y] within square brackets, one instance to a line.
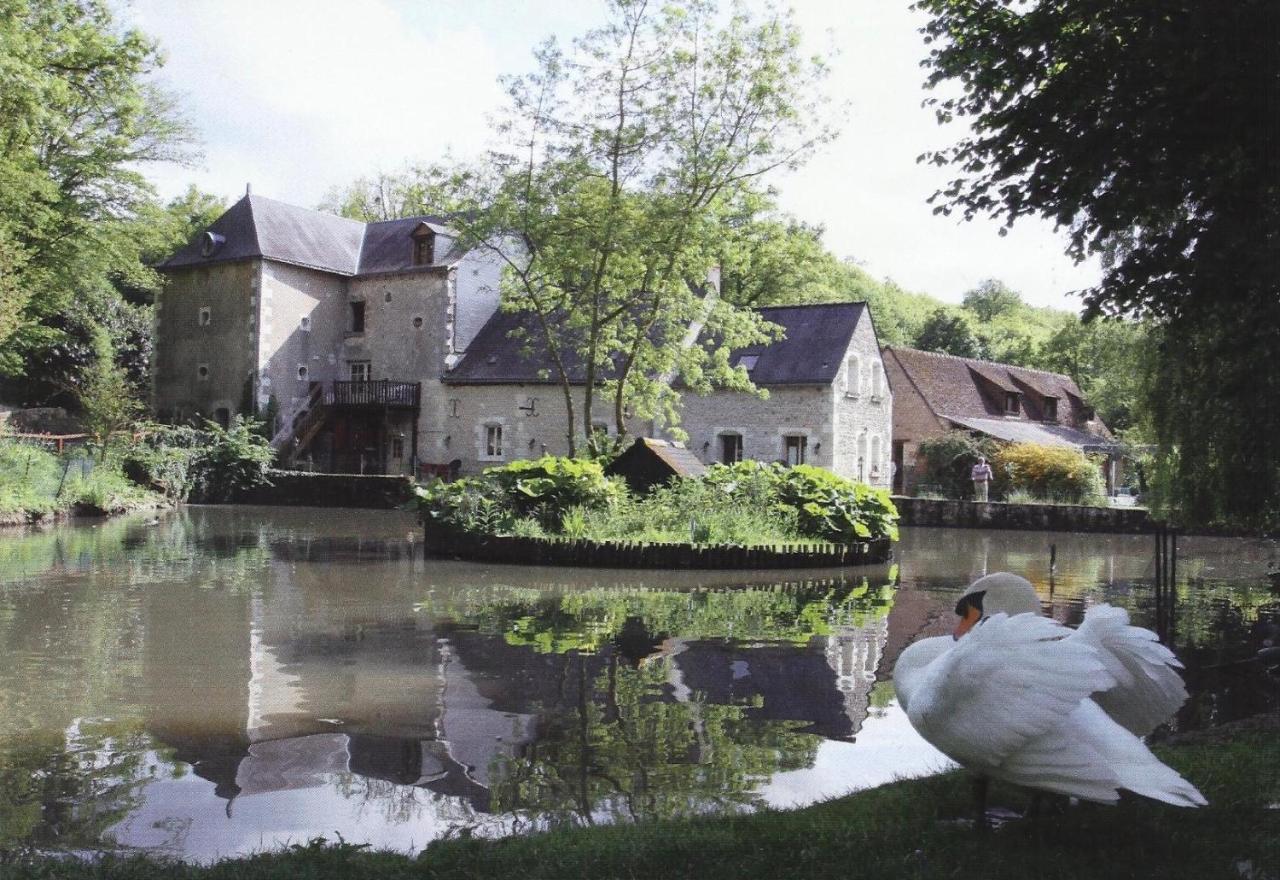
[1018, 697]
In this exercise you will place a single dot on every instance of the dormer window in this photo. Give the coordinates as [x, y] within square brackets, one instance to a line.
[424, 247]
[748, 361]
[1012, 406]
[1051, 409]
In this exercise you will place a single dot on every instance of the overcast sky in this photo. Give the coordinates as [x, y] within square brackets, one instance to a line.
[297, 96]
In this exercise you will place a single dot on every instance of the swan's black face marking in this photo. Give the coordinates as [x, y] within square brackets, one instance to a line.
[969, 609]
[973, 600]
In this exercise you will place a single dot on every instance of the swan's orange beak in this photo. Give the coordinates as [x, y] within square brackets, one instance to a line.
[972, 614]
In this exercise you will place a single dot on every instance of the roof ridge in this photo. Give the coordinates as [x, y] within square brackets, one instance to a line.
[252, 197]
[956, 357]
[852, 302]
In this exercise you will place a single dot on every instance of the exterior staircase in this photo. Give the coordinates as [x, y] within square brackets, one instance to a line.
[305, 424]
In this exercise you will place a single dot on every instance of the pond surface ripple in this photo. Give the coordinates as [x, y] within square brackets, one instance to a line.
[228, 679]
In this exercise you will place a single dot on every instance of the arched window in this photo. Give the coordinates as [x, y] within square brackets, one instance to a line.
[863, 454]
[853, 376]
[876, 453]
[877, 380]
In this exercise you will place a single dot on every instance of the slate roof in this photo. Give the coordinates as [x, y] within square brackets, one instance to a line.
[966, 390]
[810, 352]
[258, 227]
[1049, 433]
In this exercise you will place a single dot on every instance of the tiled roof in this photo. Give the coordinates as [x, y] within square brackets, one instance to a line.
[954, 388]
[676, 456]
[265, 228]
[809, 353]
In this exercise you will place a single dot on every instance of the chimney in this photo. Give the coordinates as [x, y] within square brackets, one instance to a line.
[248, 189]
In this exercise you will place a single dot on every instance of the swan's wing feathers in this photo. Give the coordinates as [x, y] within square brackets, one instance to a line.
[1148, 688]
[1007, 681]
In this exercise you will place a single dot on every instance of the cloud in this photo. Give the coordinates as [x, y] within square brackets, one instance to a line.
[299, 96]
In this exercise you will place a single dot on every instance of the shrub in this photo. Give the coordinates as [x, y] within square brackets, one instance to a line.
[832, 508]
[549, 486]
[201, 464]
[1050, 473]
[944, 464]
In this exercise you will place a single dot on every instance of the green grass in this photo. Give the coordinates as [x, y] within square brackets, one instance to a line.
[902, 830]
[32, 485]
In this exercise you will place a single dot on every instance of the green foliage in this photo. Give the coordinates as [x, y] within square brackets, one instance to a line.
[106, 396]
[949, 332]
[1050, 473]
[745, 503]
[202, 464]
[80, 118]
[944, 464]
[34, 483]
[1185, 226]
[550, 486]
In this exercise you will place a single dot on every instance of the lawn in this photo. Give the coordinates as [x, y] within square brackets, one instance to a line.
[909, 829]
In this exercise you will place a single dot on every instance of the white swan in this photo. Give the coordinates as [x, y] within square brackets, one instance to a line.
[1023, 699]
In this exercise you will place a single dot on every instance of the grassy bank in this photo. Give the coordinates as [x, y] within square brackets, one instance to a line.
[36, 484]
[903, 830]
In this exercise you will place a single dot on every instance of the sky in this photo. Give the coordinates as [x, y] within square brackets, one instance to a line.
[299, 96]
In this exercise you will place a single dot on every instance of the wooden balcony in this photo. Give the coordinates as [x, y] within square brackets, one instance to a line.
[380, 392]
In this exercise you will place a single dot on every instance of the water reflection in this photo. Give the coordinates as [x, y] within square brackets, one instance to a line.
[231, 679]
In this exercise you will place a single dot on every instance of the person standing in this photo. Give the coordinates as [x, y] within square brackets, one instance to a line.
[981, 476]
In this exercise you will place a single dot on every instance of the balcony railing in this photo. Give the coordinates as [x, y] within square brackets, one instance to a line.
[380, 392]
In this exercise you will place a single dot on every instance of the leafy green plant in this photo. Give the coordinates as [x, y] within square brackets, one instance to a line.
[1050, 473]
[944, 464]
[551, 485]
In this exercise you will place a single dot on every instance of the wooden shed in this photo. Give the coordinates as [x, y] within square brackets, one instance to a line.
[649, 462]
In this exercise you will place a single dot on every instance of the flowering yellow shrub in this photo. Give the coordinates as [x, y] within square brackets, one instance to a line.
[1058, 473]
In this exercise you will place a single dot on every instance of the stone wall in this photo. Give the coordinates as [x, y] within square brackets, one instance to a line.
[763, 424]
[303, 315]
[1021, 517]
[224, 343]
[297, 489]
[864, 409]
[913, 421]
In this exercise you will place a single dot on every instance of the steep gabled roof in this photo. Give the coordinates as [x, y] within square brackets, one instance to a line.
[952, 388]
[258, 227]
[508, 349]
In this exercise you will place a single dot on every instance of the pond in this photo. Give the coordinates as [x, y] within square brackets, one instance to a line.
[220, 680]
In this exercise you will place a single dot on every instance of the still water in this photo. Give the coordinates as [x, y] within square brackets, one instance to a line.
[220, 681]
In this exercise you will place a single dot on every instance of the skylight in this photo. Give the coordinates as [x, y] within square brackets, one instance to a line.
[748, 361]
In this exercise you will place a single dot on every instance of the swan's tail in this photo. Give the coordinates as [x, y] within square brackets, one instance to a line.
[1136, 768]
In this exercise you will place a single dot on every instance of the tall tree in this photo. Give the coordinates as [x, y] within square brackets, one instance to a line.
[608, 212]
[79, 120]
[991, 299]
[949, 332]
[1146, 128]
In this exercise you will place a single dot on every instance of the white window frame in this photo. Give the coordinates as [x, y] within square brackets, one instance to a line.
[305, 324]
[877, 454]
[202, 372]
[206, 316]
[367, 371]
[877, 381]
[489, 449]
[303, 373]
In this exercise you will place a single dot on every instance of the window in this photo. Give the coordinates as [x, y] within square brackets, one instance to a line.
[302, 374]
[202, 372]
[600, 428]
[876, 453]
[417, 322]
[853, 376]
[386, 297]
[360, 371]
[424, 247]
[730, 448]
[306, 323]
[1051, 409]
[222, 416]
[453, 407]
[397, 447]
[1011, 405]
[357, 317]
[877, 381]
[748, 361]
[493, 441]
[206, 316]
[794, 447]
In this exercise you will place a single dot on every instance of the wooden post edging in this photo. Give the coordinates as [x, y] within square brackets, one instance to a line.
[449, 543]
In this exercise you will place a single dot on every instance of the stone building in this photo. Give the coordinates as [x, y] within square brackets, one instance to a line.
[379, 348]
[935, 393]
